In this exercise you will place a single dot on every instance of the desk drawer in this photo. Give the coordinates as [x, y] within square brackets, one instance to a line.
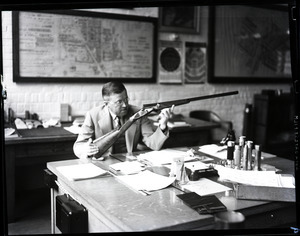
[43, 149]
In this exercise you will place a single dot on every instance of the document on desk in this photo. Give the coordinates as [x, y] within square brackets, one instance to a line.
[256, 178]
[81, 171]
[204, 187]
[164, 156]
[214, 150]
[127, 167]
[146, 180]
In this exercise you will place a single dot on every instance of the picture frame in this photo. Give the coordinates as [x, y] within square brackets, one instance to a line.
[180, 19]
[81, 46]
[249, 44]
[195, 69]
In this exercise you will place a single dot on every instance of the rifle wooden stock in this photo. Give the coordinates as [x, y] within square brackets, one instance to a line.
[107, 140]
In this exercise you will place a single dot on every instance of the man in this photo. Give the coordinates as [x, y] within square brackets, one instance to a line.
[115, 112]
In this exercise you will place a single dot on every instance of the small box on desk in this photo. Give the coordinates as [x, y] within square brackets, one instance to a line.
[71, 217]
[265, 193]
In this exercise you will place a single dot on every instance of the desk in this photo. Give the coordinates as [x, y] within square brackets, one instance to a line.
[114, 207]
[26, 156]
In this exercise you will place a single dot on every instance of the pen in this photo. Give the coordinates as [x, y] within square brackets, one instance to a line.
[221, 150]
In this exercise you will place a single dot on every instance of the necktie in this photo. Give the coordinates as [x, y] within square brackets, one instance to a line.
[117, 123]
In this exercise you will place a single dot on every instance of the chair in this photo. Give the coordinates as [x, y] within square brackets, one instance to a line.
[216, 134]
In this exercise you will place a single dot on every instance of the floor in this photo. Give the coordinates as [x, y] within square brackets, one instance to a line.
[37, 221]
[33, 215]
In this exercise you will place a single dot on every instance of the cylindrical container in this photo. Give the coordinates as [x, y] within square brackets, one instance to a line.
[230, 150]
[250, 147]
[245, 158]
[242, 141]
[229, 220]
[257, 157]
[237, 157]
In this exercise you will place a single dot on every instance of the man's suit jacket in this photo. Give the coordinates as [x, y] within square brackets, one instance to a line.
[98, 122]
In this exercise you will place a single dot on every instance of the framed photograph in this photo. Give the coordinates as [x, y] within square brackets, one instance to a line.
[179, 19]
[249, 44]
[195, 69]
[80, 46]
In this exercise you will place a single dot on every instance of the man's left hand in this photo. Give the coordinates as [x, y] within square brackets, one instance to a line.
[164, 117]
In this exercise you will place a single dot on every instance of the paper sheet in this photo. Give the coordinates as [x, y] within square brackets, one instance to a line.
[146, 180]
[196, 165]
[73, 129]
[205, 187]
[81, 171]
[128, 167]
[164, 156]
[214, 150]
[252, 177]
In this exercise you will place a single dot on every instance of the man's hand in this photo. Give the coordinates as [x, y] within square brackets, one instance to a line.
[90, 148]
[164, 117]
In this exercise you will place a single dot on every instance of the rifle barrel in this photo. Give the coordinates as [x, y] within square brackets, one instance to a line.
[187, 100]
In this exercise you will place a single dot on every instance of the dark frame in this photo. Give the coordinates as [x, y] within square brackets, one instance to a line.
[215, 76]
[145, 74]
[188, 19]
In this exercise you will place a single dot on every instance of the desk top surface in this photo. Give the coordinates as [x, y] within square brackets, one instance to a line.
[126, 210]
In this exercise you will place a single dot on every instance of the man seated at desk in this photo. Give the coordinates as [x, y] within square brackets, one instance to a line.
[115, 112]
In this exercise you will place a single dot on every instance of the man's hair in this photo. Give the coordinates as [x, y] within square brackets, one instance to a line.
[112, 88]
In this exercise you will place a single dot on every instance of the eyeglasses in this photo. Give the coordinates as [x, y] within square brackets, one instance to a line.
[120, 102]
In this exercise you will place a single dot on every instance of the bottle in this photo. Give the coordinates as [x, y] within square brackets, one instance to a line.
[242, 141]
[230, 151]
[237, 157]
[245, 158]
[250, 147]
[257, 158]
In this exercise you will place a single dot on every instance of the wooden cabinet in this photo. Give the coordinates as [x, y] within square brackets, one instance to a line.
[273, 123]
[25, 160]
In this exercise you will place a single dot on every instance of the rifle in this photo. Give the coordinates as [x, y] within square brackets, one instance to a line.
[106, 141]
[162, 105]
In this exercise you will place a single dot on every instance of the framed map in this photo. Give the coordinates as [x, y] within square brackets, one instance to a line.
[249, 44]
[81, 46]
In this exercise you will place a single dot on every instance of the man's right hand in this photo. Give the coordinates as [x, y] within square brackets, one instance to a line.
[90, 148]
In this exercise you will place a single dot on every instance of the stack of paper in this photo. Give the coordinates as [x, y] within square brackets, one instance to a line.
[81, 171]
[256, 178]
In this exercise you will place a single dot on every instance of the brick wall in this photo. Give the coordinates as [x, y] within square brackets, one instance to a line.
[44, 99]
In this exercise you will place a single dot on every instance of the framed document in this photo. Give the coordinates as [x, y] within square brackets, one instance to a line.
[170, 62]
[179, 19]
[80, 46]
[249, 44]
[195, 63]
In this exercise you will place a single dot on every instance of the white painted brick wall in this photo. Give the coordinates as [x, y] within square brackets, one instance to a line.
[44, 99]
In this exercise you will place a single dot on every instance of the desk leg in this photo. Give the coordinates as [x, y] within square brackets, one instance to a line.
[52, 211]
